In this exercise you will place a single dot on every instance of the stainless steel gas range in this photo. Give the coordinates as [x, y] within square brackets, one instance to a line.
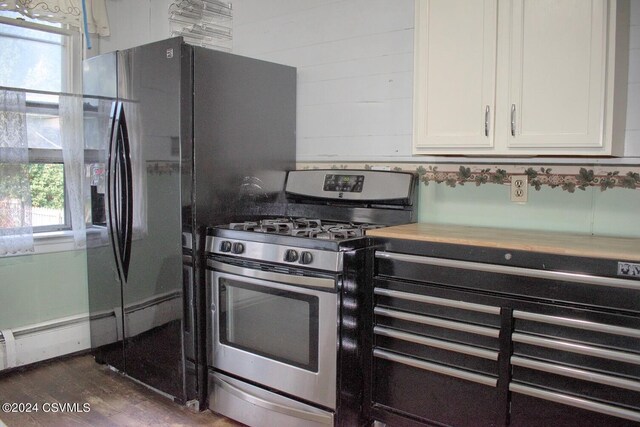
[285, 293]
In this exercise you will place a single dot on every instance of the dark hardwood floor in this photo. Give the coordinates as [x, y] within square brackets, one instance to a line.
[113, 399]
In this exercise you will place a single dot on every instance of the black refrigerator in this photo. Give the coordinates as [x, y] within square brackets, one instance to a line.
[177, 138]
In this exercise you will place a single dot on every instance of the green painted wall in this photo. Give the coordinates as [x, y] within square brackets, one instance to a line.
[614, 212]
[36, 288]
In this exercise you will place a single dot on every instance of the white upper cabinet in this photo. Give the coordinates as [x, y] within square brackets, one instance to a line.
[520, 77]
[455, 73]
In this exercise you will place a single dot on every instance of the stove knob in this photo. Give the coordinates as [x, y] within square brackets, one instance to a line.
[237, 248]
[225, 246]
[291, 255]
[306, 258]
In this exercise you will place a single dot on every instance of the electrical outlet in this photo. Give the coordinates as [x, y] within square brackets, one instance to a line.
[519, 188]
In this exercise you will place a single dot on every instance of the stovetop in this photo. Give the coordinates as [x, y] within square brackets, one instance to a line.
[304, 227]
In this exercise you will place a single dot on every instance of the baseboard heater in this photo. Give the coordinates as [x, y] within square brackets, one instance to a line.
[41, 341]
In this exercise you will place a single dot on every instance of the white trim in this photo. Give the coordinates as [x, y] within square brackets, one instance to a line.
[35, 26]
[53, 241]
[367, 158]
[46, 340]
[9, 348]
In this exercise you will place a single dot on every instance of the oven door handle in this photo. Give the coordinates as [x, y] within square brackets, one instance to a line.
[321, 419]
[289, 279]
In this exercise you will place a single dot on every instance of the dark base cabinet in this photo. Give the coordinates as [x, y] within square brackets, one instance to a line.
[472, 342]
[431, 396]
[527, 411]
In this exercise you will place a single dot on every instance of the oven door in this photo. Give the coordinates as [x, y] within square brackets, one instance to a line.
[270, 331]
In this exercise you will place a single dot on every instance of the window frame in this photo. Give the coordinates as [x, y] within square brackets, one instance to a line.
[71, 67]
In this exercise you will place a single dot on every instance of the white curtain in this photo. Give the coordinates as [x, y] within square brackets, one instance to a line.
[16, 233]
[63, 11]
[71, 132]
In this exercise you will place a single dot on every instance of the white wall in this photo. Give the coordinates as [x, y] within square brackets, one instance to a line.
[355, 71]
[135, 22]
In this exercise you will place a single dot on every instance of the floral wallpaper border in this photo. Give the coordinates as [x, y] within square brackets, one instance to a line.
[566, 177]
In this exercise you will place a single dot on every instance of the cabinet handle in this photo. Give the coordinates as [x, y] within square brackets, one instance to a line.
[486, 120]
[577, 323]
[435, 343]
[438, 323]
[434, 367]
[575, 401]
[513, 119]
[581, 374]
[437, 301]
[571, 347]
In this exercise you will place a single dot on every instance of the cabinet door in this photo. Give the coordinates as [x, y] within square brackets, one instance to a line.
[556, 75]
[455, 64]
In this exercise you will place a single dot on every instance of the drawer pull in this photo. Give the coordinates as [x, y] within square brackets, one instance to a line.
[514, 271]
[434, 367]
[578, 324]
[577, 348]
[432, 321]
[575, 402]
[437, 301]
[580, 374]
[430, 342]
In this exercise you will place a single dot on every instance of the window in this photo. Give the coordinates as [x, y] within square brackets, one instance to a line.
[47, 70]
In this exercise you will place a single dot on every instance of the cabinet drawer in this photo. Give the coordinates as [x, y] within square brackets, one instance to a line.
[600, 329]
[531, 407]
[581, 365]
[419, 322]
[434, 392]
[511, 281]
[601, 347]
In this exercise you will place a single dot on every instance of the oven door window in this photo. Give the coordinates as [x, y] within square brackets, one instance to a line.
[277, 324]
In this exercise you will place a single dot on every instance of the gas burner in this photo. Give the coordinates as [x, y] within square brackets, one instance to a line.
[337, 232]
[247, 225]
[304, 227]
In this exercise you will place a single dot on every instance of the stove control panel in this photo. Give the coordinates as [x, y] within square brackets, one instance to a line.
[344, 183]
[280, 254]
[383, 187]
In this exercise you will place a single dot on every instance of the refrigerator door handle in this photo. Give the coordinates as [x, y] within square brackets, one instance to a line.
[126, 188]
[112, 184]
[119, 190]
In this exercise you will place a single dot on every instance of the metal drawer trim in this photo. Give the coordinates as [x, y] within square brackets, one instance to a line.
[433, 321]
[578, 324]
[437, 301]
[586, 350]
[439, 369]
[514, 271]
[576, 373]
[575, 402]
[430, 342]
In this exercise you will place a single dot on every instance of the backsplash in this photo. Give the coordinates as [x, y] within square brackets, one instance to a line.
[566, 177]
[586, 199]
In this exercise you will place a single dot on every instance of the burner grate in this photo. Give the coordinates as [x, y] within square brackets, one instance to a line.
[304, 227]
